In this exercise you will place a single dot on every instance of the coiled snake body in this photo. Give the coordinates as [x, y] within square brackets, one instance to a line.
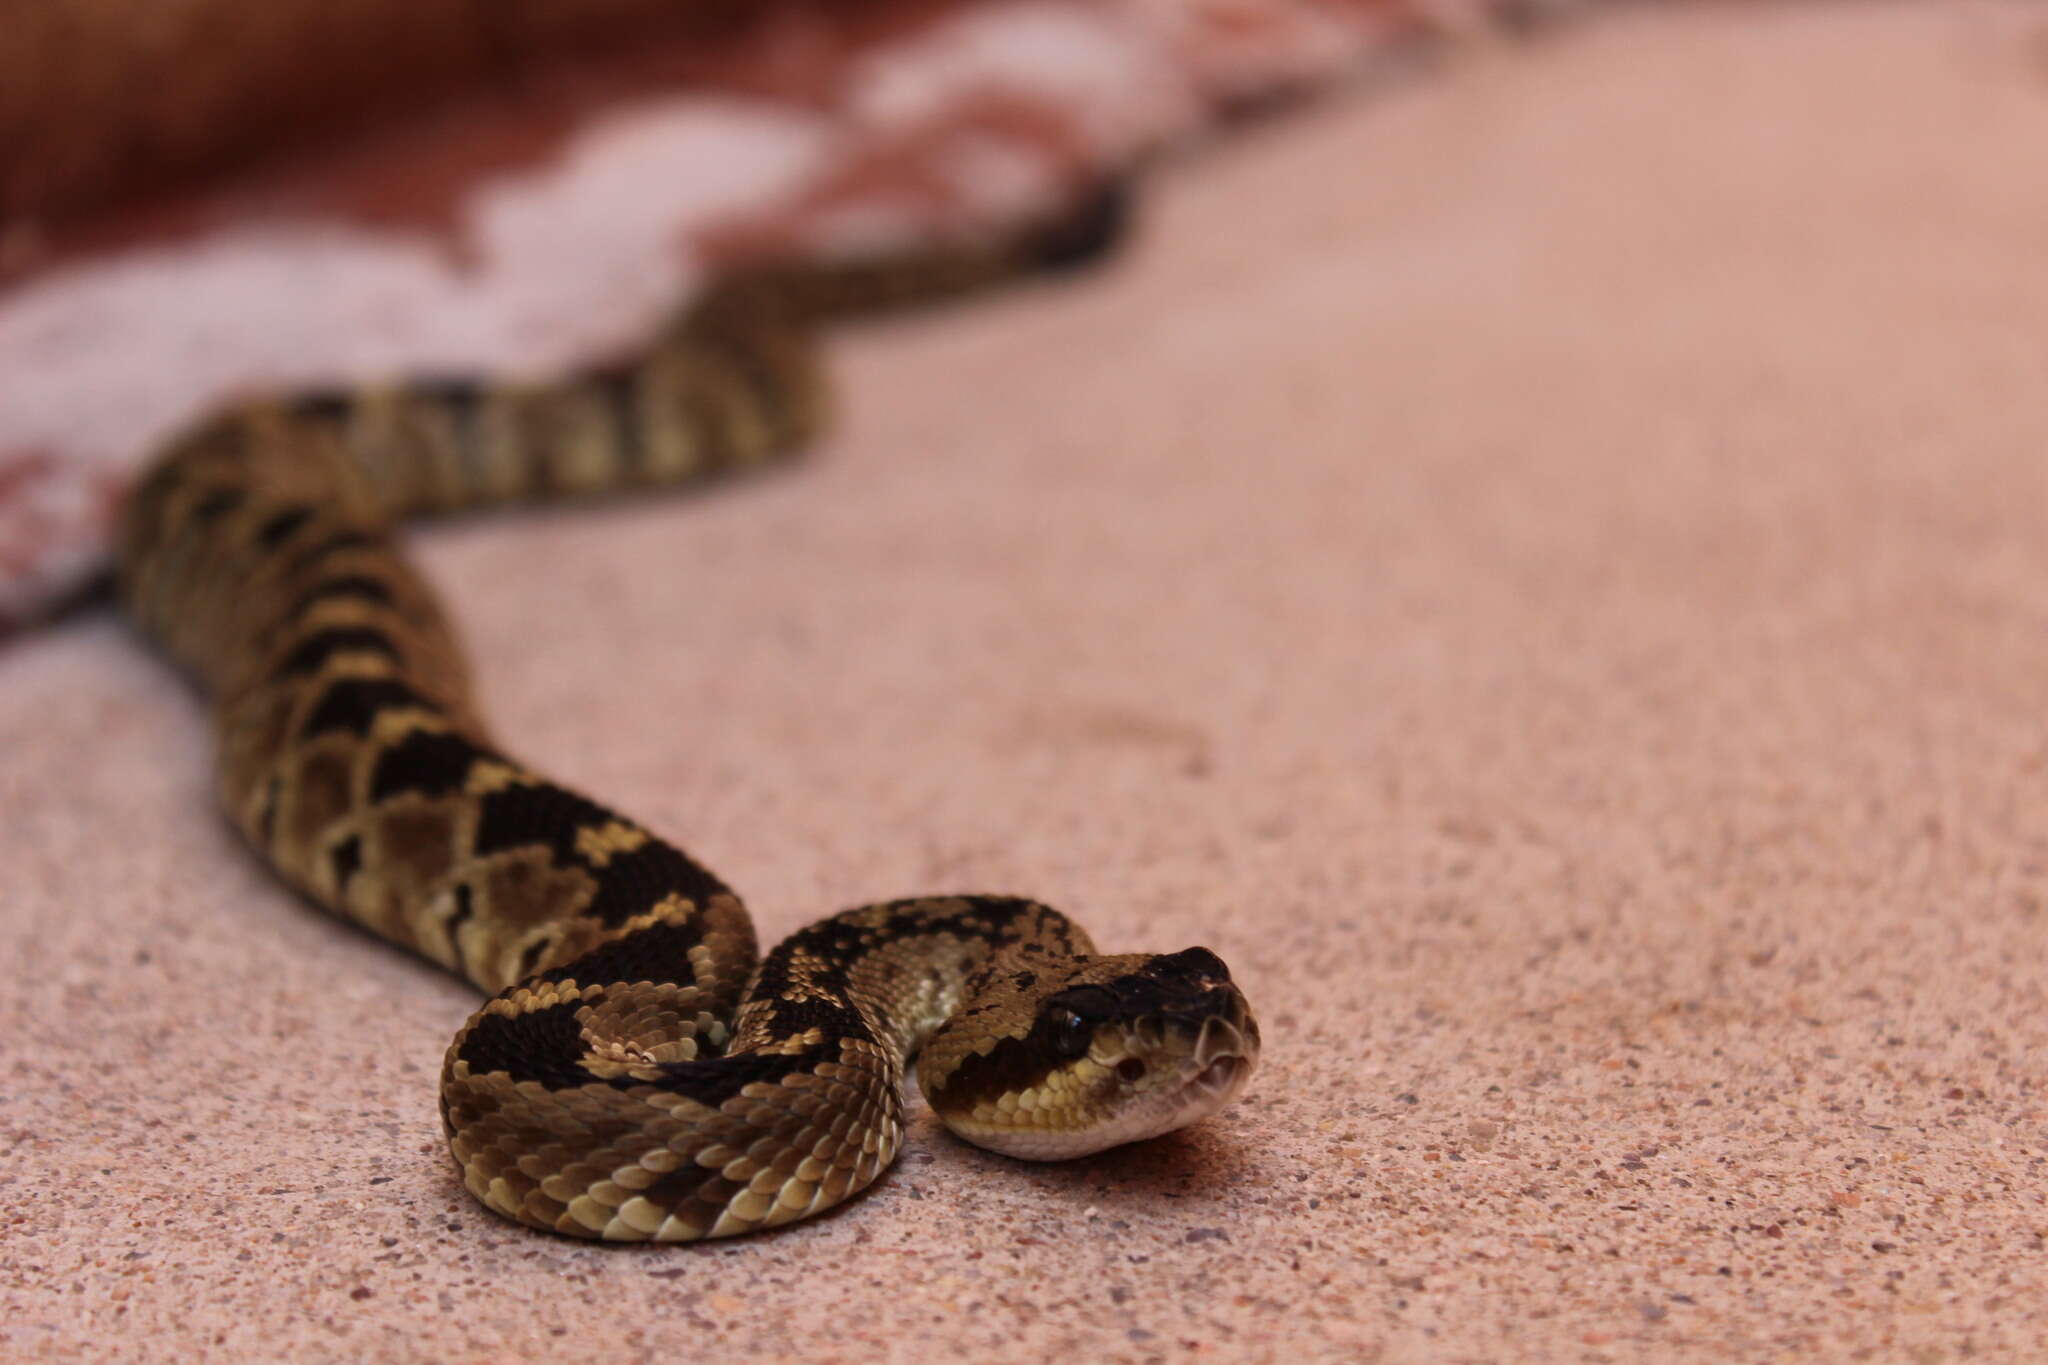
[638, 1074]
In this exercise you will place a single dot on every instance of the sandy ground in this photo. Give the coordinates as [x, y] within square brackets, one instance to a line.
[1542, 568]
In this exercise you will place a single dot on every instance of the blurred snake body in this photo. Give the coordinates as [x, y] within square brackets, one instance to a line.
[639, 1072]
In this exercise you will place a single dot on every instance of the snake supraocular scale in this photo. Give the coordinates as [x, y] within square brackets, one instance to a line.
[638, 1072]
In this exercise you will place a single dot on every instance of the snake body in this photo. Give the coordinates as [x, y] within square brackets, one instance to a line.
[639, 1073]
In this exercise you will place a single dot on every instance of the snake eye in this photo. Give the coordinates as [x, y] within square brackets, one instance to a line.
[1071, 1034]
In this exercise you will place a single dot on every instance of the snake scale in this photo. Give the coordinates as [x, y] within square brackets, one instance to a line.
[639, 1071]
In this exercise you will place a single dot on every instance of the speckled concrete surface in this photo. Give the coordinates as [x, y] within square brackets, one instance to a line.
[1543, 569]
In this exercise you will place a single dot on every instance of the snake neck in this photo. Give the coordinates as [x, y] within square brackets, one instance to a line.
[893, 974]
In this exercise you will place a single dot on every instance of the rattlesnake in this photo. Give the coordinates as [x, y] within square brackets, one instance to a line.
[637, 1073]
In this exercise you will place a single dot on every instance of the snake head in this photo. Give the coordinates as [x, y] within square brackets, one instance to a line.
[1051, 1064]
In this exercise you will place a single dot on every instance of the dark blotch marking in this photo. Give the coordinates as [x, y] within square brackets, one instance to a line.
[424, 762]
[312, 653]
[465, 906]
[279, 526]
[346, 859]
[1012, 1064]
[835, 1018]
[628, 884]
[1088, 233]
[658, 953]
[517, 817]
[530, 956]
[352, 704]
[547, 1045]
[632, 883]
[266, 818]
[539, 1045]
[713, 1082]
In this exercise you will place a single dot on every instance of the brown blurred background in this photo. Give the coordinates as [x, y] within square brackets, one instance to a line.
[103, 99]
[99, 98]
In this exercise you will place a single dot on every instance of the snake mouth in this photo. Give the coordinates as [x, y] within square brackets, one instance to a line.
[1222, 1074]
[1224, 1053]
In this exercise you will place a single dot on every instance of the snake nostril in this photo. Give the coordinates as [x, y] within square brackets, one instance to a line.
[1130, 1070]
